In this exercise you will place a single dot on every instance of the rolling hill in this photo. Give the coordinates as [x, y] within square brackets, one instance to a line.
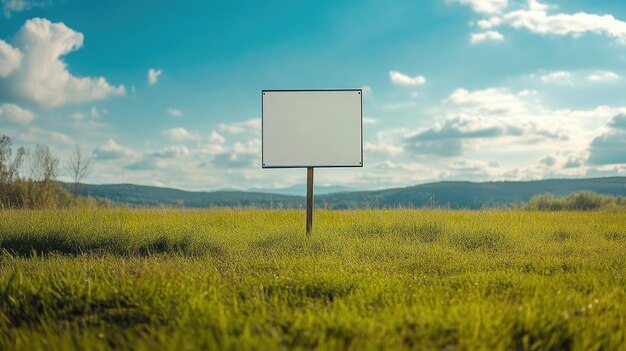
[456, 195]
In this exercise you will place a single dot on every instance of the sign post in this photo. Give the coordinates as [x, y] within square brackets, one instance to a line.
[311, 129]
[309, 200]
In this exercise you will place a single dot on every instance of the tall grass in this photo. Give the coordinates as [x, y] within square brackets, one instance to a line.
[250, 279]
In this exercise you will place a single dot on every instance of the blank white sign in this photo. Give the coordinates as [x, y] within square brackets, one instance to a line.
[312, 128]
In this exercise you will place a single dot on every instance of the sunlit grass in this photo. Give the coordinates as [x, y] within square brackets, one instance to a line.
[250, 279]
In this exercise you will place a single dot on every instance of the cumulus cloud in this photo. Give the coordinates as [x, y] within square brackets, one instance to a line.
[610, 147]
[36, 135]
[603, 76]
[94, 113]
[174, 112]
[451, 138]
[505, 121]
[180, 134]
[111, 150]
[15, 114]
[42, 77]
[573, 161]
[169, 157]
[242, 155]
[384, 148]
[251, 125]
[399, 78]
[548, 161]
[216, 137]
[153, 75]
[10, 59]
[576, 78]
[10, 6]
[211, 149]
[485, 6]
[556, 77]
[490, 35]
[490, 101]
[171, 152]
[535, 17]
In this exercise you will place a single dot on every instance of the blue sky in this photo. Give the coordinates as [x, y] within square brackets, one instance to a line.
[168, 94]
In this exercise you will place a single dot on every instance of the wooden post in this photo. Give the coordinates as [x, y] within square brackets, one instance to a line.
[309, 200]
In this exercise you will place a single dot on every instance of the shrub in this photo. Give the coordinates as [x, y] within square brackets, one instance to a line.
[581, 201]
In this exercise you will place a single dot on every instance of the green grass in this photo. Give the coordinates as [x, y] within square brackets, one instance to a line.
[250, 279]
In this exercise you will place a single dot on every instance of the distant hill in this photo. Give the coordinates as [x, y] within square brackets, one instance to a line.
[456, 195]
[142, 195]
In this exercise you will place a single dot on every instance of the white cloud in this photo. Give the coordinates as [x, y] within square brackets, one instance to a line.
[37, 135]
[153, 75]
[603, 76]
[489, 101]
[578, 77]
[548, 161]
[242, 155]
[367, 90]
[251, 125]
[10, 59]
[216, 137]
[399, 78]
[16, 114]
[369, 120]
[9, 6]
[211, 149]
[535, 18]
[556, 77]
[454, 136]
[489, 23]
[485, 6]
[171, 152]
[174, 112]
[77, 116]
[498, 121]
[94, 113]
[538, 21]
[111, 150]
[42, 77]
[180, 134]
[387, 142]
[384, 148]
[486, 36]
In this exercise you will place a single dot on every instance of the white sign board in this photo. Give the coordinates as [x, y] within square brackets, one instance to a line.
[312, 128]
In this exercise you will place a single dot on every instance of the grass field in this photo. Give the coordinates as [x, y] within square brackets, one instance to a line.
[250, 279]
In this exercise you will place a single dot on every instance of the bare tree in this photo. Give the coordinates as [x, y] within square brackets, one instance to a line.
[9, 170]
[43, 165]
[79, 167]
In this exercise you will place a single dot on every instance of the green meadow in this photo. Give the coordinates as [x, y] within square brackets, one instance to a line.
[145, 279]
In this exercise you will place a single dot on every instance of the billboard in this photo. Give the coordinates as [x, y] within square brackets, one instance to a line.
[312, 128]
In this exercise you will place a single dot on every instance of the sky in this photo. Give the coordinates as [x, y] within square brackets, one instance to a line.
[168, 93]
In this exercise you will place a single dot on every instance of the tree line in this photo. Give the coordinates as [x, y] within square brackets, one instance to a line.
[28, 177]
[580, 201]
